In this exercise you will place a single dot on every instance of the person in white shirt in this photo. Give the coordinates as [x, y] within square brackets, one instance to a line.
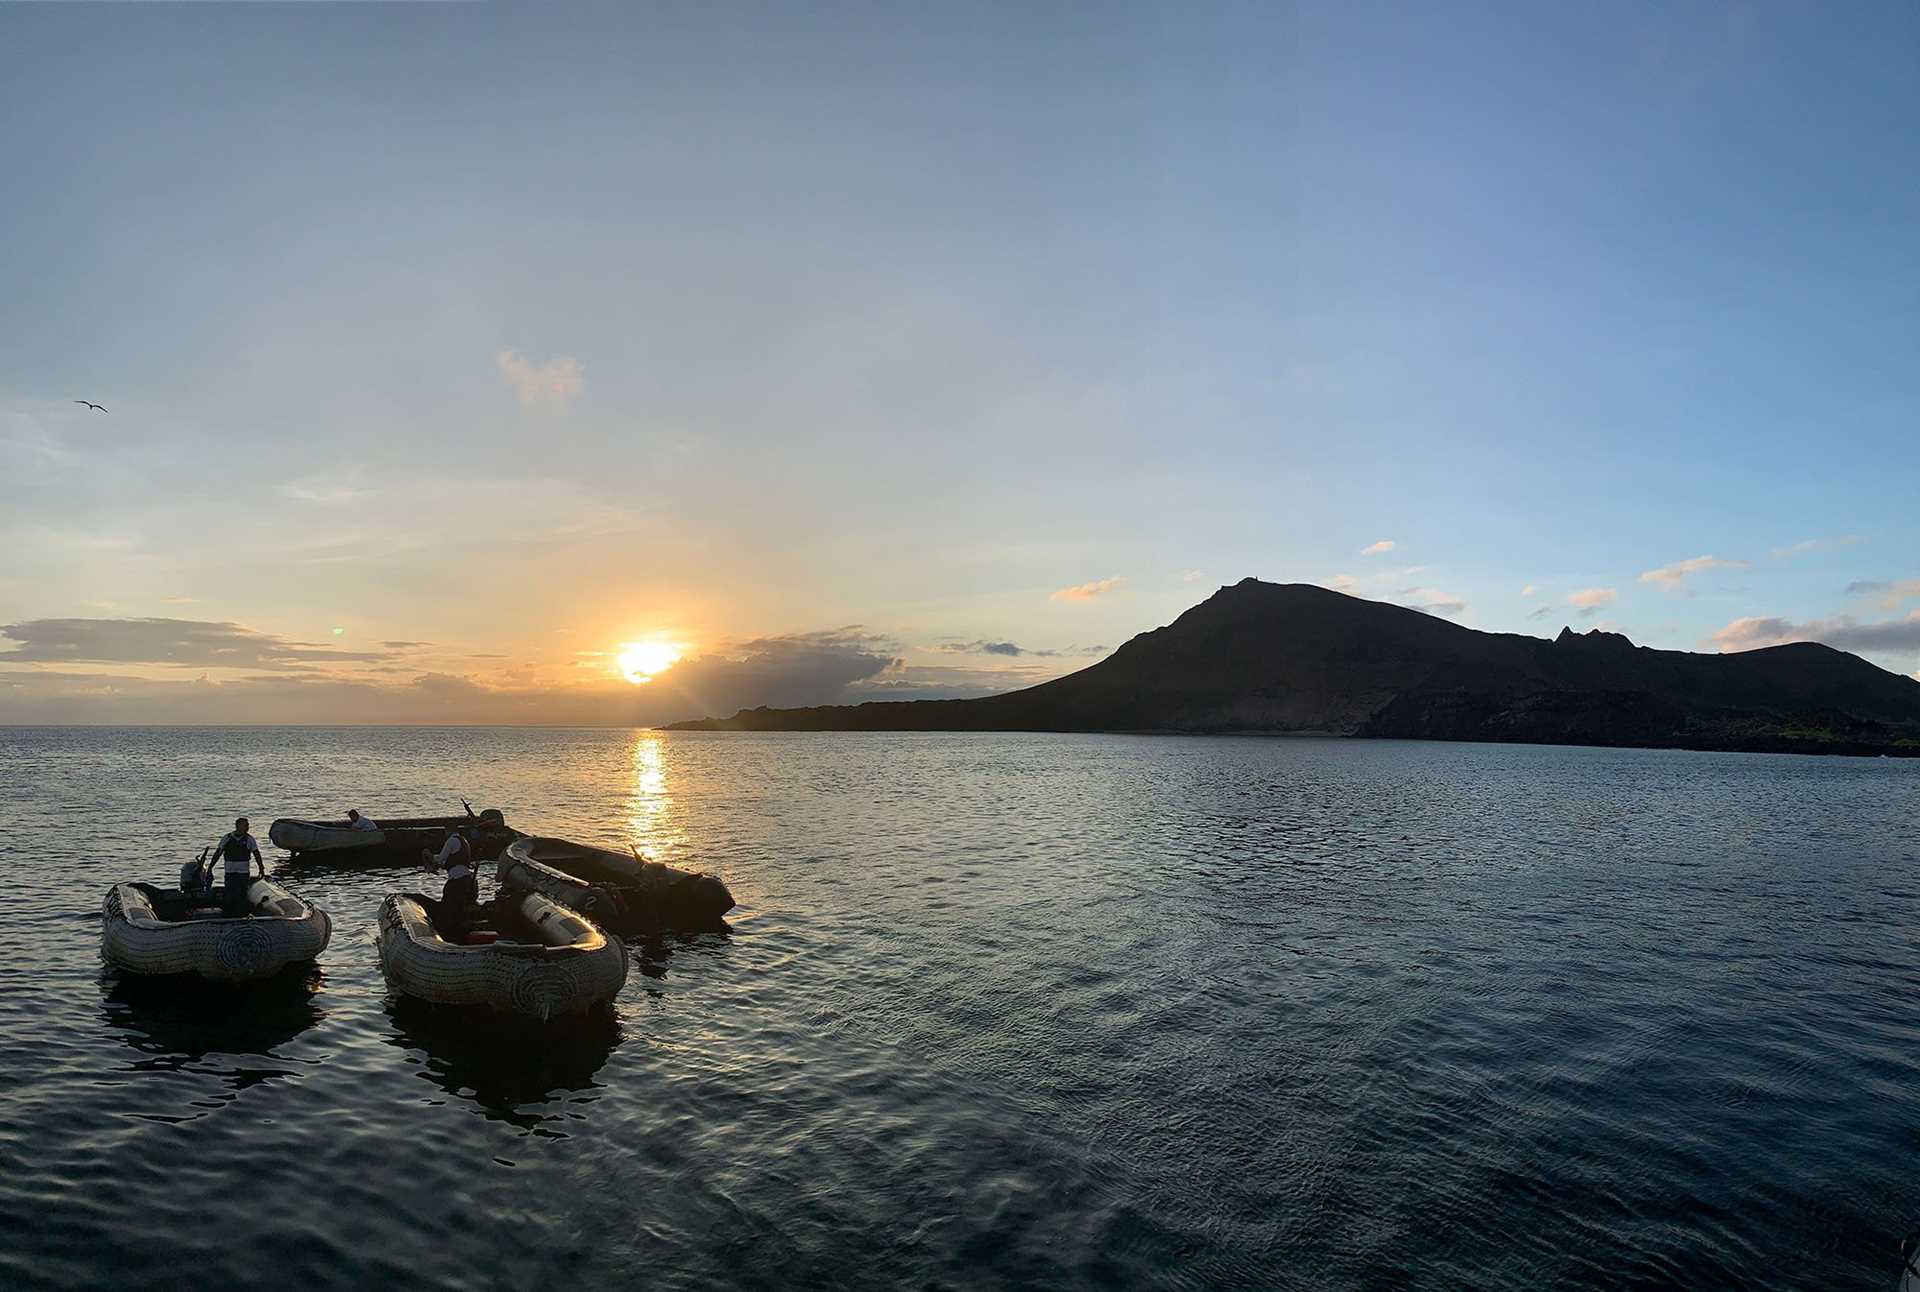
[357, 822]
[461, 895]
[236, 849]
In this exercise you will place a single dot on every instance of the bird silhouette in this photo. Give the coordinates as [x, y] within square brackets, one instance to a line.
[95, 407]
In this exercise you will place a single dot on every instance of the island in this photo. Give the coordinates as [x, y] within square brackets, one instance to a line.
[1300, 659]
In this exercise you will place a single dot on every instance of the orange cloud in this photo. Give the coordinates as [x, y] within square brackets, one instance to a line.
[1088, 591]
[1672, 576]
[553, 382]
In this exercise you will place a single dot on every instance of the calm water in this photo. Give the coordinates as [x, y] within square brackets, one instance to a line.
[1002, 1011]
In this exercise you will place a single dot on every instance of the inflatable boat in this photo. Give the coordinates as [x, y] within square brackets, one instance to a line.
[615, 888]
[396, 841]
[152, 930]
[528, 955]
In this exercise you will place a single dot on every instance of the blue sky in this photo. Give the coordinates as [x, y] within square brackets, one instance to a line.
[520, 332]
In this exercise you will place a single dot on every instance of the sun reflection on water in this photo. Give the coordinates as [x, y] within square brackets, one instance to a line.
[650, 815]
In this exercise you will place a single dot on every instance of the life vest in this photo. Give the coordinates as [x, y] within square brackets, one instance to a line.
[460, 865]
[236, 849]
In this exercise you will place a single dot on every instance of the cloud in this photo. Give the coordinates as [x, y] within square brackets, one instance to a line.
[1009, 649]
[1194, 576]
[35, 451]
[1541, 612]
[553, 382]
[906, 681]
[1529, 590]
[982, 647]
[1344, 583]
[181, 642]
[1376, 549]
[1842, 632]
[1814, 545]
[404, 645]
[322, 491]
[1433, 601]
[1889, 594]
[1672, 576]
[1088, 591]
[1590, 600]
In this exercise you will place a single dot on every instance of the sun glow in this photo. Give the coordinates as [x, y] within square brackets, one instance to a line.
[641, 662]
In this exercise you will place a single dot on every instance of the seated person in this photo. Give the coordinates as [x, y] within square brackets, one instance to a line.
[357, 822]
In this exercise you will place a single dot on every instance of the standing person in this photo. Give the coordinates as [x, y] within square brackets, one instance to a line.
[235, 849]
[461, 895]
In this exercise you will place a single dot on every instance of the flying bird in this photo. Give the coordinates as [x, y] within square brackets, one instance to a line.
[95, 407]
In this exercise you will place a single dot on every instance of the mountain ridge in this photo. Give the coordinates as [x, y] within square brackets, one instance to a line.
[1297, 658]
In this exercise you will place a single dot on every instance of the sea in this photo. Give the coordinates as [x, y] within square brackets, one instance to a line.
[997, 1011]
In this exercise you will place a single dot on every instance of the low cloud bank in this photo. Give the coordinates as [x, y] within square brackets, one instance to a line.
[1842, 632]
[190, 643]
[264, 680]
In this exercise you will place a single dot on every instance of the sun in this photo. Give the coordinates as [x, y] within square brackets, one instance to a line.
[641, 662]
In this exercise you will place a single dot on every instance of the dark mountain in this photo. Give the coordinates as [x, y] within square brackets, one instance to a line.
[1298, 658]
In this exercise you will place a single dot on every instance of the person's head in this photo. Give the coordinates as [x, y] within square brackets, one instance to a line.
[239, 825]
[353, 814]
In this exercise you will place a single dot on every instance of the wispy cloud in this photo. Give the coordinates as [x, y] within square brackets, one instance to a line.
[1529, 590]
[30, 444]
[1843, 632]
[1541, 612]
[1806, 546]
[1672, 576]
[981, 646]
[553, 382]
[984, 647]
[1088, 591]
[1887, 594]
[1344, 583]
[1433, 601]
[1591, 600]
[1380, 548]
[1194, 576]
[322, 491]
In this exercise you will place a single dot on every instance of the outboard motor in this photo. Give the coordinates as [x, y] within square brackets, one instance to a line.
[193, 876]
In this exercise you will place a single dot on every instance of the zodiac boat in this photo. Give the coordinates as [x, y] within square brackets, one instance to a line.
[152, 930]
[612, 887]
[535, 957]
[397, 840]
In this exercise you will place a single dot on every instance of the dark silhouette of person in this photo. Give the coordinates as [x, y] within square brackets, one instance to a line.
[460, 897]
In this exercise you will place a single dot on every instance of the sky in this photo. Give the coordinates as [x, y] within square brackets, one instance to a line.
[876, 351]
